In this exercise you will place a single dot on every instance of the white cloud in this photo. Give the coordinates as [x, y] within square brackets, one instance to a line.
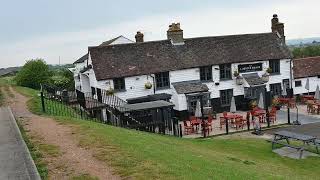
[300, 20]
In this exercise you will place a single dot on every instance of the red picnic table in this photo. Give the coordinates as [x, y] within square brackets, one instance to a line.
[308, 97]
[260, 113]
[232, 117]
[284, 100]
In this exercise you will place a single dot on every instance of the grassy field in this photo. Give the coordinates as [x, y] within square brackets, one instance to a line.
[143, 155]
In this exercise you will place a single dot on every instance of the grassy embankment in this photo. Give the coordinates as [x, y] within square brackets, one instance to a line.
[150, 156]
[37, 148]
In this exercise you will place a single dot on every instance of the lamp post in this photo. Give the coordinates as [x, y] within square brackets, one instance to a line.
[266, 106]
[202, 117]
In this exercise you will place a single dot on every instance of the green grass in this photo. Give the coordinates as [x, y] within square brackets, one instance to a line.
[36, 152]
[143, 155]
[1, 97]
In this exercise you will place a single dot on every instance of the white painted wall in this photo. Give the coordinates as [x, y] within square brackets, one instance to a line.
[313, 82]
[85, 83]
[122, 40]
[90, 73]
[135, 85]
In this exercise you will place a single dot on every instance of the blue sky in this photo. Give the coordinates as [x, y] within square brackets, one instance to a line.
[49, 29]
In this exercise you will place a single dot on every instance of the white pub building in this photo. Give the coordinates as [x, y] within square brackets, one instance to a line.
[180, 70]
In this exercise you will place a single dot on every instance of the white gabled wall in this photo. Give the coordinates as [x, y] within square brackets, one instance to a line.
[89, 74]
[122, 40]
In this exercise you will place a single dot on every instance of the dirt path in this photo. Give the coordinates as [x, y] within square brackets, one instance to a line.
[72, 159]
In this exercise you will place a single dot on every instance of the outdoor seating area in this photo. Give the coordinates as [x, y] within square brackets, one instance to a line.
[228, 122]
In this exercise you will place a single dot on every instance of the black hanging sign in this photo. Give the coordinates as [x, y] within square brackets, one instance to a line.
[243, 68]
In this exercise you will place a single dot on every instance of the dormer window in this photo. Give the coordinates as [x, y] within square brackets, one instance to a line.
[119, 84]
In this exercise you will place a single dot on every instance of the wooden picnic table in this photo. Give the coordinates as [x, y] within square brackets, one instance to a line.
[287, 135]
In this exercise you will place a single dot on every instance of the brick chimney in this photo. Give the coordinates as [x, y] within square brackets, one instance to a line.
[175, 34]
[139, 37]
[278, 27]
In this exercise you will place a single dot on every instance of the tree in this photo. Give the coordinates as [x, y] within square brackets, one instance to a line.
[307, 51]
[33, 73]
[63, 78]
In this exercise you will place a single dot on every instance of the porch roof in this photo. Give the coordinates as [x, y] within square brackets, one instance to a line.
[188, 87]
[253, 79]
[152, 97]
[147, 106]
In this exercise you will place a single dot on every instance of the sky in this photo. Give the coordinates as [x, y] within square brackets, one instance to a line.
[65, 28]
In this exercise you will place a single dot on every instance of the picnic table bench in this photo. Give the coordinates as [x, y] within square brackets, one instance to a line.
[287, 135]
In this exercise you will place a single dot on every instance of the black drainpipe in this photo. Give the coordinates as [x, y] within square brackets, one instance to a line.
[291, 75]
[153, 82]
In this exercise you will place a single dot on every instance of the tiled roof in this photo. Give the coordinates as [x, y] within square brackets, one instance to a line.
[82, 59]
[152, 97]
[306, 67]
[159, 56]
[188, 87]
[106, 43]
[253, 79]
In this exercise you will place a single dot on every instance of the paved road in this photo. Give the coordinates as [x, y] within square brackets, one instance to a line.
[282, 116]
[15, 160]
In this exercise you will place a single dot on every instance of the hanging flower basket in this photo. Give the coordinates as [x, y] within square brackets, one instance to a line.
[253, 104]
[239, 80]
[148, 85]
[265, 77]
[269, 70]
[110, 91]
[236, 73]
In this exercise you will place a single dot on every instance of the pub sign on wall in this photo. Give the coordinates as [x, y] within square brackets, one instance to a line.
[243, 68]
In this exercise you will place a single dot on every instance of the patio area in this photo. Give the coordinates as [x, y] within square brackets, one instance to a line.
[281, 118]
[237, 122]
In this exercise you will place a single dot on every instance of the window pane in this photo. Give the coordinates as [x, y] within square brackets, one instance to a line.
[275, 89]
[162, 80]
[225, 96]
[206, 73]
[119, 84]
[225, 71]
[275, 66]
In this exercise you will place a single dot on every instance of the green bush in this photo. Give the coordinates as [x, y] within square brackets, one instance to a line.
[33, 73]
[63, 78]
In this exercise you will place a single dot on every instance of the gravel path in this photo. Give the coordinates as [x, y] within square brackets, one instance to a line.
[73, 160]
